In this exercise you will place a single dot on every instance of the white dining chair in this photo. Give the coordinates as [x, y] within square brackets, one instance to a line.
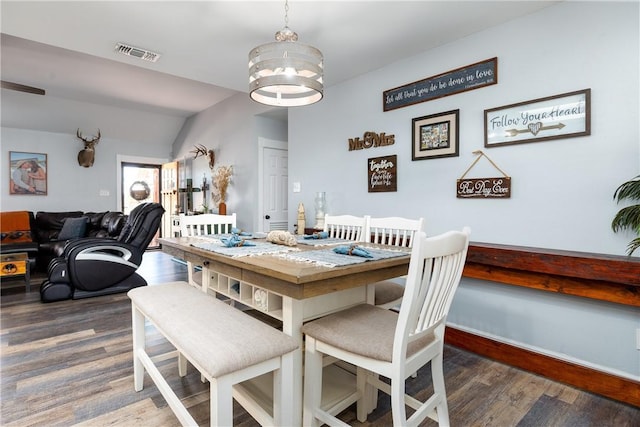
[393, 231]
[198, 225]
[348, 227]
[201, 225]
[388, 343]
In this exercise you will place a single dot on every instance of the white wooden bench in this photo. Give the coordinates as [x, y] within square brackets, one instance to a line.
[226, 345]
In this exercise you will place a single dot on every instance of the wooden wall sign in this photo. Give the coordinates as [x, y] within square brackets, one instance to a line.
[483, 188]
[383, 173]
[469, 77]
[371, 139]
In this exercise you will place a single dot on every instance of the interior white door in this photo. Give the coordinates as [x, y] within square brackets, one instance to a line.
[275, 181]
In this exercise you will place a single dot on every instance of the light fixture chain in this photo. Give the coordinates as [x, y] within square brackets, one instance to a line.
[286, 13]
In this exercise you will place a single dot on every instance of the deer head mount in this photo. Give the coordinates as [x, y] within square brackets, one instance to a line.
[87, 155]
[201, 150]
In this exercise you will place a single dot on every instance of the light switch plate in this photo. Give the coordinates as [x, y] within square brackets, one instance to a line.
[296, 187]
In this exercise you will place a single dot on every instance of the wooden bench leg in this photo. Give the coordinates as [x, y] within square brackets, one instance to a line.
[137, 326]
[142, 362]
[221, 401]
[182, 365]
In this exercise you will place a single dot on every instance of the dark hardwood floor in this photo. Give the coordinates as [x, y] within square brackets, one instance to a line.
[69, 363]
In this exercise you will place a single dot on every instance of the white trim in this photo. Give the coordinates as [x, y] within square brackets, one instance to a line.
[262, 144]
[120, 158]
[545, 352]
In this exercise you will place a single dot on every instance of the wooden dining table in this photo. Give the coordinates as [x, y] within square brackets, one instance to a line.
[288, 290]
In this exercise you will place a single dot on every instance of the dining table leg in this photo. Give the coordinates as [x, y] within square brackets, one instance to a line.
[292, 315]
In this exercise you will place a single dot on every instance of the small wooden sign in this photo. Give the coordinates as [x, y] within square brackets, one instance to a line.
[484, 188]
[371, 139]
[382, 174]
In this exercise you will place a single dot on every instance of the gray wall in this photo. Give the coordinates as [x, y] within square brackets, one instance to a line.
[231, 128]
[48, 124]
[70, 186]
[561, 190]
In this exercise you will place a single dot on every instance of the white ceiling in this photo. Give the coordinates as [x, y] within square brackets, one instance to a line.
[67, 47]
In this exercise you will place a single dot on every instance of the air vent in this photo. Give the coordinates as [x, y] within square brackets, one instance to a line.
[145, 55]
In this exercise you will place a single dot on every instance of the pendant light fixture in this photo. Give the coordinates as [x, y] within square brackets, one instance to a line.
[285, 73]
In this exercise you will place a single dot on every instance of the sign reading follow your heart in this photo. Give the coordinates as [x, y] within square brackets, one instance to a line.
[560, 116]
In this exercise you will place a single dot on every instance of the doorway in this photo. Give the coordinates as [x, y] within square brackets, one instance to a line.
[274, 182]
[140, 184]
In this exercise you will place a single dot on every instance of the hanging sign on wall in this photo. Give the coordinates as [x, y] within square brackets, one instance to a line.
[483, 188]
[383, 173]
[462, 79]
[371, 139]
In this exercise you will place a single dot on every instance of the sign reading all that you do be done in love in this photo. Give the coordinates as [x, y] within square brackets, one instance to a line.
[462, 79]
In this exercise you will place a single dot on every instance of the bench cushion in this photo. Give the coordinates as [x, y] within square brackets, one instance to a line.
[219, 338]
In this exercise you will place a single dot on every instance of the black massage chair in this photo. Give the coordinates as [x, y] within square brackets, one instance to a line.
[97, 266]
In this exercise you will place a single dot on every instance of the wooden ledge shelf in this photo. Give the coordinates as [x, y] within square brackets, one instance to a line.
[597, 276]
[601, 277]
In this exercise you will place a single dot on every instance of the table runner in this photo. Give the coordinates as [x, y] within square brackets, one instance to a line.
[322, 242]
[260, 248]
[328, 258]
[226, 235]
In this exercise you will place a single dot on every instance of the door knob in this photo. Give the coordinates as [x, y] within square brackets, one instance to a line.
[267, 217]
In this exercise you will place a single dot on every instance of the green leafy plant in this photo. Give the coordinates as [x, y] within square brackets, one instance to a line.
[628, 218]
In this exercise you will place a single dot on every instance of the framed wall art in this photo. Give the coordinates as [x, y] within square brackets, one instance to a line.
[28, 173]
[560, 116]
[435, 136]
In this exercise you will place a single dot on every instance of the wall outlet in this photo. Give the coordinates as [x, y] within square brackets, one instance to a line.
[296, 187]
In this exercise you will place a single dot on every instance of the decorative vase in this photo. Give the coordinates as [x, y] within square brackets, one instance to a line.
[222, 208]
[320, 205]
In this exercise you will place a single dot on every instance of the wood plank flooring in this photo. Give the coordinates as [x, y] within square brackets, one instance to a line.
[69, 363]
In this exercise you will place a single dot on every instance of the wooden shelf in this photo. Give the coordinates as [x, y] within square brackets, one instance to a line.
[597, 276]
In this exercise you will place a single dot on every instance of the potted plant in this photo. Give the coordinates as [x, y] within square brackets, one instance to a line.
[221, 181]
[628, 217]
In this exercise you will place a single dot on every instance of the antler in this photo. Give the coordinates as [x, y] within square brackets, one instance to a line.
[204, 151]
[87, 140]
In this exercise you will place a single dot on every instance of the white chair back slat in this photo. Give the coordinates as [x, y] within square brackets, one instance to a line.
[199, 225]
[346, 227]
[395, 231]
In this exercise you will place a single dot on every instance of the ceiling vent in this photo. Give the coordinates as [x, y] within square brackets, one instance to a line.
[145, 55]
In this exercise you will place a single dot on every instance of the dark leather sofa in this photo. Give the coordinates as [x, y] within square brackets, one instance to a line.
[49, 225]
[39, 235]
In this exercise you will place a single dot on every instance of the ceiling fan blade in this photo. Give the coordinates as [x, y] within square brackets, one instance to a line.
[22, 88]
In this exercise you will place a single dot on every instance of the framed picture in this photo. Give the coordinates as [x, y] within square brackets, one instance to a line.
[435, 136]
[560, 116]
[28, 173]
